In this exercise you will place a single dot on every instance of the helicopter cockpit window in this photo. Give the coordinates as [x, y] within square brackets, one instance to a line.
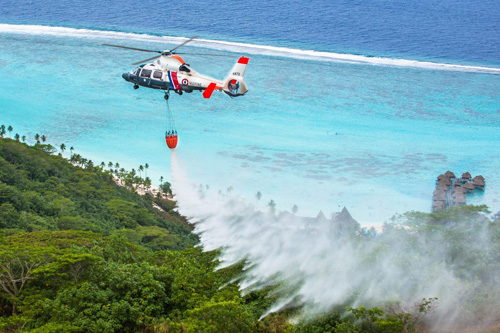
[146, 72]
[157, 75]
[184, 68]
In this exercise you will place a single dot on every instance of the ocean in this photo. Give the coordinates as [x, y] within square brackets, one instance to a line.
[351, 103]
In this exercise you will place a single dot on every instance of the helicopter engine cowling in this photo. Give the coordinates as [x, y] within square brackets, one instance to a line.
[171, 63]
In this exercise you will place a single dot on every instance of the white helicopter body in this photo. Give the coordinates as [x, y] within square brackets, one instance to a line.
[170, 72]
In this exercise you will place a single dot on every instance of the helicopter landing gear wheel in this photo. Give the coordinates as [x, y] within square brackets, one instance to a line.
[167, 95]
[136, 86]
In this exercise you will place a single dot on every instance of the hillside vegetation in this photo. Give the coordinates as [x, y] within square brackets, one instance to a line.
[79, 253]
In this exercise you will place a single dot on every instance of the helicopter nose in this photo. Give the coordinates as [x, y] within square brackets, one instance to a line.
[126, 76]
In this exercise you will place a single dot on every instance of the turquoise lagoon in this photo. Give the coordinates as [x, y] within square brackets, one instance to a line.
[318, 130]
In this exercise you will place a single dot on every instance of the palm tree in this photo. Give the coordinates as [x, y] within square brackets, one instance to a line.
[77, 159]
[102, 165]
[17, 137]
[9, 129]
[62, 147]
[37, 138]
[141, 168]
[2, 130]
[117, 165]
[146, 166]
[161, 181]
[24, 138]
[295, 209]
[44, 138]
[147, 183]
[258, 195]
[71, 149]
[89, 164]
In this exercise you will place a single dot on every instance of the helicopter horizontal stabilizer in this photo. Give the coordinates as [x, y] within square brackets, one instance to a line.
[210, 89]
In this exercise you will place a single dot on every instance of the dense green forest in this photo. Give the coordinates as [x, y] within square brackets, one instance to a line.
[78, 253]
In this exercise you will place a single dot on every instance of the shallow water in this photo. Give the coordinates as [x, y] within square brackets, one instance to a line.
[318, 133]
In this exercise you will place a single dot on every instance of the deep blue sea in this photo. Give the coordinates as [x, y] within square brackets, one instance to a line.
[352, 103]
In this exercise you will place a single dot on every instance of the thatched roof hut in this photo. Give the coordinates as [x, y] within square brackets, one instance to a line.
[466, 175]
[479, 177]
[439, 196]
[460, 189]
[345, 217]
[438, 206]
[321, 217]
[459, 201]
[478, 183]
[443, 187]
[468, 186]
[436, 192]
[449, 174]
[441, 176]
[445, 181]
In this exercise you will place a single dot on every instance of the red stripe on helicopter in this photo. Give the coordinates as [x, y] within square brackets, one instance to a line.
[243, 60]
[210, 89]
[176, 82]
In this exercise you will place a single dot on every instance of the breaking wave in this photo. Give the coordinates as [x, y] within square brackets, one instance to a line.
[246, 48]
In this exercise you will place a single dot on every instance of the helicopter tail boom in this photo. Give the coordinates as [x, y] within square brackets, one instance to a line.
[234, 84]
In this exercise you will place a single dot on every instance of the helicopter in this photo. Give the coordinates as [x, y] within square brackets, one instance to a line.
[169, 72]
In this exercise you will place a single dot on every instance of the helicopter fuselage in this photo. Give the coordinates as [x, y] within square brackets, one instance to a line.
[169, 73]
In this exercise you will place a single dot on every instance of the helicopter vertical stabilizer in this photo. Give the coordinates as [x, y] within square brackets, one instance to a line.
[234, 84]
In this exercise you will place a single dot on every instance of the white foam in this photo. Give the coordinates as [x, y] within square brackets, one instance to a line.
[245, 48]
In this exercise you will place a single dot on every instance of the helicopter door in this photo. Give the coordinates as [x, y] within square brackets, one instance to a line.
[145, 77]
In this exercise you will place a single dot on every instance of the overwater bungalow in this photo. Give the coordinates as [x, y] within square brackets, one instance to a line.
[468, 187]
[437, 192]
[459, 201]
[442, 187]
[478, 183]
[479, 177]
[441, 176]
[449, 174]
[438, 206]
[459, 189]
[439, 196]
[447, 184]
[445, 181]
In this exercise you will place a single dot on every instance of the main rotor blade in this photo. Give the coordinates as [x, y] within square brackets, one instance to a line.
[131, 48]
[145, 60]
[190, 39]
[209, 54]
